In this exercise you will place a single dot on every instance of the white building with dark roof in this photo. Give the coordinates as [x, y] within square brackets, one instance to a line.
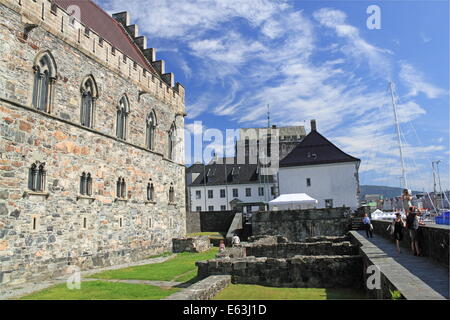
[217, 186]
[320, 169]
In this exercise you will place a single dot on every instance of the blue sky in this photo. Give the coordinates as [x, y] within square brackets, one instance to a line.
[313, 59]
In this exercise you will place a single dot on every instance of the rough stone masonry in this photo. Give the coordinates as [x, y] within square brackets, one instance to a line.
[43, 233]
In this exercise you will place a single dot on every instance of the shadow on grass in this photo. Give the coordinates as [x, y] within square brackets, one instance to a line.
[188, 283]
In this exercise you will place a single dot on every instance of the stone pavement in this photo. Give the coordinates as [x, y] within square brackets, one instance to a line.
[430, 273]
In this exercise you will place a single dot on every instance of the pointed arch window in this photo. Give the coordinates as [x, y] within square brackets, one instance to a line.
[150, 191]
[86, 184]
[44, 79]
[171, 141]
[123, 110]
[37, 177]
[171, 193]
[150, 130]
[89, 95]
[121, 188]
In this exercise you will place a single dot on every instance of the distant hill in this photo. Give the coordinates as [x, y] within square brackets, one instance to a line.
[387, 192]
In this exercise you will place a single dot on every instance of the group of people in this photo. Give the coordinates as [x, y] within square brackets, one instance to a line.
[398, 226]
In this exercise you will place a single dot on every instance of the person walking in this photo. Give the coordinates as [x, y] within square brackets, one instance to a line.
[398, 224]
[412, 223]
[368, 226]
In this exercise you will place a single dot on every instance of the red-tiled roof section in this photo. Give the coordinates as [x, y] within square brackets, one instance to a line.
[103, 24]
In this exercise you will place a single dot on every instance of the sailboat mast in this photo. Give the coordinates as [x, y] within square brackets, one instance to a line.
[397, 126]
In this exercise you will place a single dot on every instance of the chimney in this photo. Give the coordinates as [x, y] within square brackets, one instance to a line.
[313, 125]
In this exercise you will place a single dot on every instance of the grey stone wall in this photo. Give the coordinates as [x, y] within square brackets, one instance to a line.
[433, 240]
[216, 221]
[296, 272]
[192, 244]
[68, 149]
[202, 290]
[193, 222]
[289, 250]
[297, 225]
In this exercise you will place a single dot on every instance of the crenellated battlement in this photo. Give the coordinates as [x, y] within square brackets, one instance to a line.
[47, 15]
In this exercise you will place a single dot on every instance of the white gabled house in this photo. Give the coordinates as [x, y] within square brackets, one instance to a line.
[320, 169]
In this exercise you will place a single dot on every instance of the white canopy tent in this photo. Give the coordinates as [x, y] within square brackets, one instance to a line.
[292, 201]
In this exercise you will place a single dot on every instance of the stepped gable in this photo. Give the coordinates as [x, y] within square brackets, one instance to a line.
[123, 36]
[315, 149]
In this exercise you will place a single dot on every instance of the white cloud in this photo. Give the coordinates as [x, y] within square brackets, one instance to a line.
[356, 46]
[415, 82]
[242, 55]
[179, 19]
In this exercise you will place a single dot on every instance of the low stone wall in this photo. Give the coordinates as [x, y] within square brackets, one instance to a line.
[333, 239]
[297, 225]
[296, 272]
[393, 277]
[202, 290]
[192, 244]
[267, 239]
[433, 239]
[289, 250]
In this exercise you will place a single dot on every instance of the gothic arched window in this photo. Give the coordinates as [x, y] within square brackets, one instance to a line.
[171, 141]
[86, 184]
[44, 78]
[89, 95]
[171, 194]
[150, 130]
[150, 191]
[37, 177]
[121, 188]
[123, 109]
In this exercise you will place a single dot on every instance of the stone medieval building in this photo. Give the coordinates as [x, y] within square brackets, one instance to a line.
[91, 161]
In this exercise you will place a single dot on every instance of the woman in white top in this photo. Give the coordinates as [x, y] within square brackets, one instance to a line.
[406, 200]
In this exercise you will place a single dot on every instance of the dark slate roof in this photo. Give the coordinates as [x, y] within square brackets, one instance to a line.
[96, 19]
[219, 174]
[315, 149]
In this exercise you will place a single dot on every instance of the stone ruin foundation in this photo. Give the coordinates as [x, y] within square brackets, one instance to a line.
[191, 244]
[320, 262]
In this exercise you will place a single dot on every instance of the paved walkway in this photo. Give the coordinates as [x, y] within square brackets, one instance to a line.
[28, 288]
[432, 274]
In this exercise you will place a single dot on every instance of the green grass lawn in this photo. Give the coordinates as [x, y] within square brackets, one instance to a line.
[164, 254]
[101, 290]
[255, 292]
[180, 268]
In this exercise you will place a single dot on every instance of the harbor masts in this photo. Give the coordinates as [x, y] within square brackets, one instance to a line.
[397, 126]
